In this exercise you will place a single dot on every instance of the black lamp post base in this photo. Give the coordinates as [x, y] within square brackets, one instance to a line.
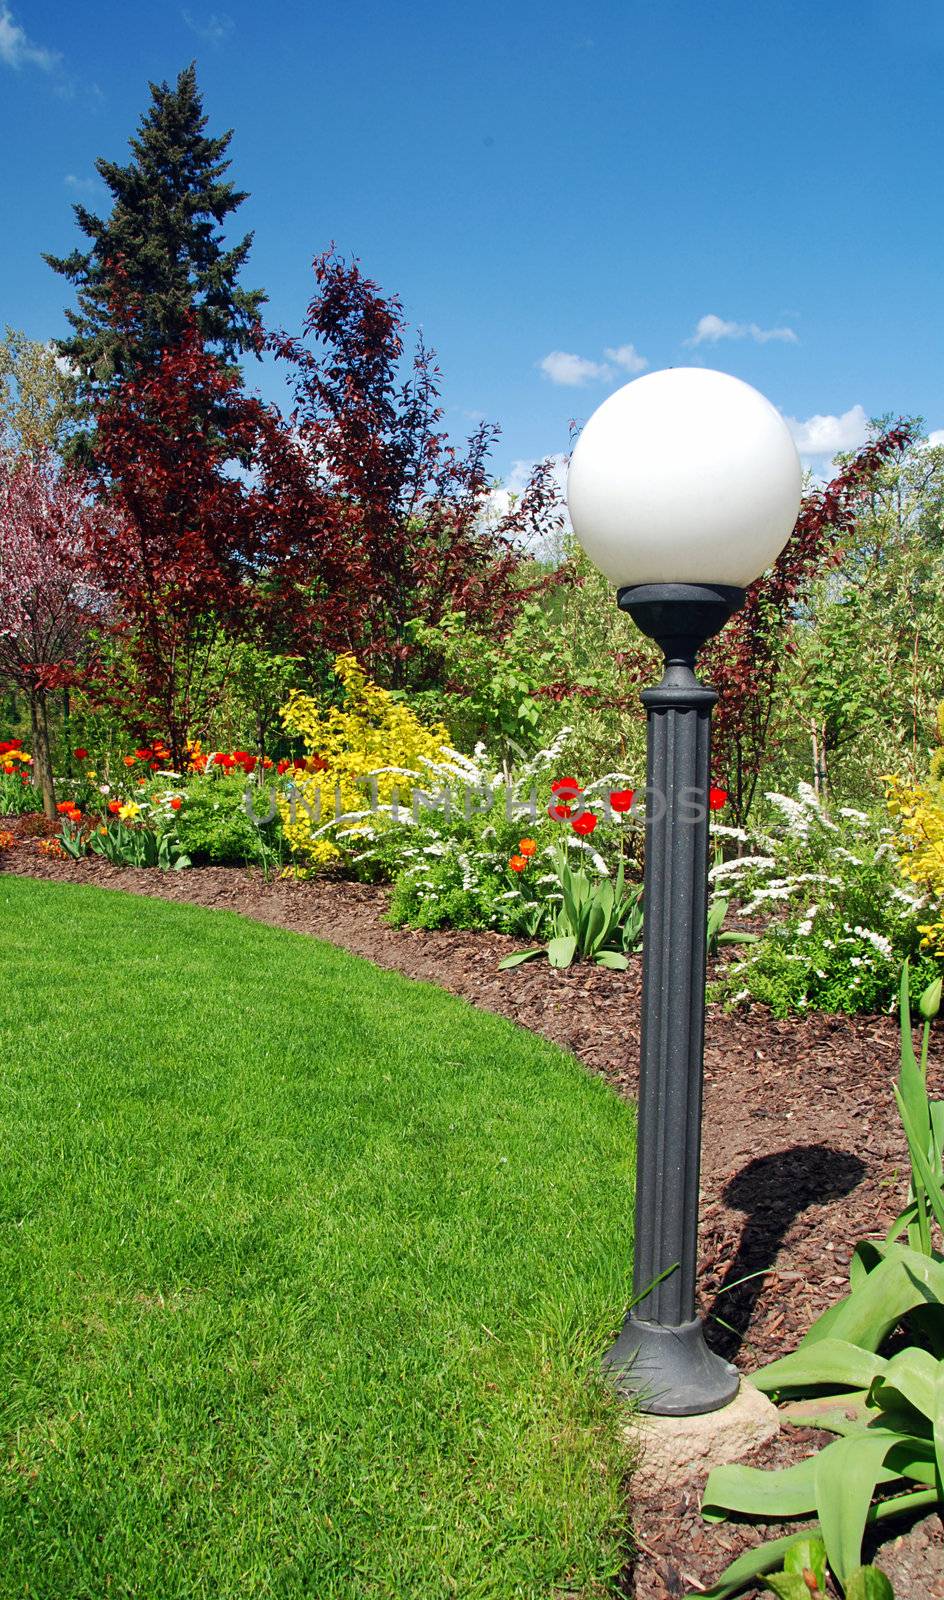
[670, 1371]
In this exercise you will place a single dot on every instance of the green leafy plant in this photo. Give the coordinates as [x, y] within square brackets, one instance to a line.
[717, 934]
[803, 1576]
[887, 1412]
[128, 847]
[17, 796]
[599, 920]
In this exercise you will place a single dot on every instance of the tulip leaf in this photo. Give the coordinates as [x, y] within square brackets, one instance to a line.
[832, 1361]
[561, 951]
[846, 1474]
[518, 957]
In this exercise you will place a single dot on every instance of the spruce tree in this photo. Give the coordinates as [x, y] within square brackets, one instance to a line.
[159, 260]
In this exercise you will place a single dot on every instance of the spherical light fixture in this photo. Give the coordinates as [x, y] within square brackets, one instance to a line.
[684, 476]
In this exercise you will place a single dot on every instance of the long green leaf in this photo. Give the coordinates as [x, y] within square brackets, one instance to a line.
[518, 957]
[846, 1474]
[789, 1492]
[828, 1361]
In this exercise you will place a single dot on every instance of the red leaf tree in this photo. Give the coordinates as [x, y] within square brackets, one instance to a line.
[191, 534]
[50, 600]
[398, 526]
[745, 661]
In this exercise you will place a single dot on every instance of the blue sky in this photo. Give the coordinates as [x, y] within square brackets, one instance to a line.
[558, 193]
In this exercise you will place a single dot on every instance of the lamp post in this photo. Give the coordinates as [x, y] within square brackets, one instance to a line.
[684, 486]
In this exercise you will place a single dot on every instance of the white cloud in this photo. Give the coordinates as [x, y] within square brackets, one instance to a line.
[711, 329]
[937, 437]
[16, 50]
[573, 371]
[80, 185]
[627, 357]
[213, 29]
[826, 435]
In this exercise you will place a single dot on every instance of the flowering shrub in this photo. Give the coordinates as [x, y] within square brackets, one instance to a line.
[486, 859]
[918, 811]
[7, 840]
[844, 921]
[361, 753]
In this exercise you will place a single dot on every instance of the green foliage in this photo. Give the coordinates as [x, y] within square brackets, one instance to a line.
[17, 797]
[214, 825]
[804, 1571]
[36, 397]
[127, 847]
[859, 692]
[598, 919]
[886, 1411]
[305, 1271]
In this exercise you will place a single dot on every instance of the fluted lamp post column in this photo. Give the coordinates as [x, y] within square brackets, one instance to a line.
[684, 486]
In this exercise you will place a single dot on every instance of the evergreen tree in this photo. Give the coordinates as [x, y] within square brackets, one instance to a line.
[159, 258]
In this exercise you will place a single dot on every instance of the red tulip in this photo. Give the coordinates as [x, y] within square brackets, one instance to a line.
[717, 798]
[80, 754]
[622, 799]
[585, 823]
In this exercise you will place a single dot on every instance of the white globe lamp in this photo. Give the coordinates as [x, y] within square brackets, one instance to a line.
[684, 476]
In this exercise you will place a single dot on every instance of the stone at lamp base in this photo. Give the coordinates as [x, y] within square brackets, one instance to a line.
[675, 1449]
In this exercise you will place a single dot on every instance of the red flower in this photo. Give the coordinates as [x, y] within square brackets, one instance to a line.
[717, 798]
[129, 761]
[622, 799]
[114, 807]
[585, 823]
[80, 754]
[517, 863]
[282, 766]
[176, 803]
[566, 786]
[145, 753]
[64, 807]
[559, 813]
[527, 848]
[8, 766]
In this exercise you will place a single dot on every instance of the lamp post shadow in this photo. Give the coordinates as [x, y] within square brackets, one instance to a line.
[773, 1190]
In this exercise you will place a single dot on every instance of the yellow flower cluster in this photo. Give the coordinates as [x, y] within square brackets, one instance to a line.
[356, 742]
[918, 810]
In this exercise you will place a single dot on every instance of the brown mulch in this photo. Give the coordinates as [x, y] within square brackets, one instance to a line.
[802, 1151]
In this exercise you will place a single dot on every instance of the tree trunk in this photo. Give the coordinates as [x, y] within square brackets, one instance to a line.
[42, 760]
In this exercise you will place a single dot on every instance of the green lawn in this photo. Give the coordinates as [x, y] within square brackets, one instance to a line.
[303, 1272]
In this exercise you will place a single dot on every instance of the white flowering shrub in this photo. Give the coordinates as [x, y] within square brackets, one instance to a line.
[449, 853]
[841, 922]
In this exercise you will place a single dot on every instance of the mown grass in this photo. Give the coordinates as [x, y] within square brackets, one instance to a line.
[303, 1272]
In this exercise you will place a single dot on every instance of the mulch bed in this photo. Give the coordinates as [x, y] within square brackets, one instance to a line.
[802, 1155]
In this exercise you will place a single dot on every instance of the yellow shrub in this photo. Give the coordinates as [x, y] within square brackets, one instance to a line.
[370, 732]
[919, 813]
